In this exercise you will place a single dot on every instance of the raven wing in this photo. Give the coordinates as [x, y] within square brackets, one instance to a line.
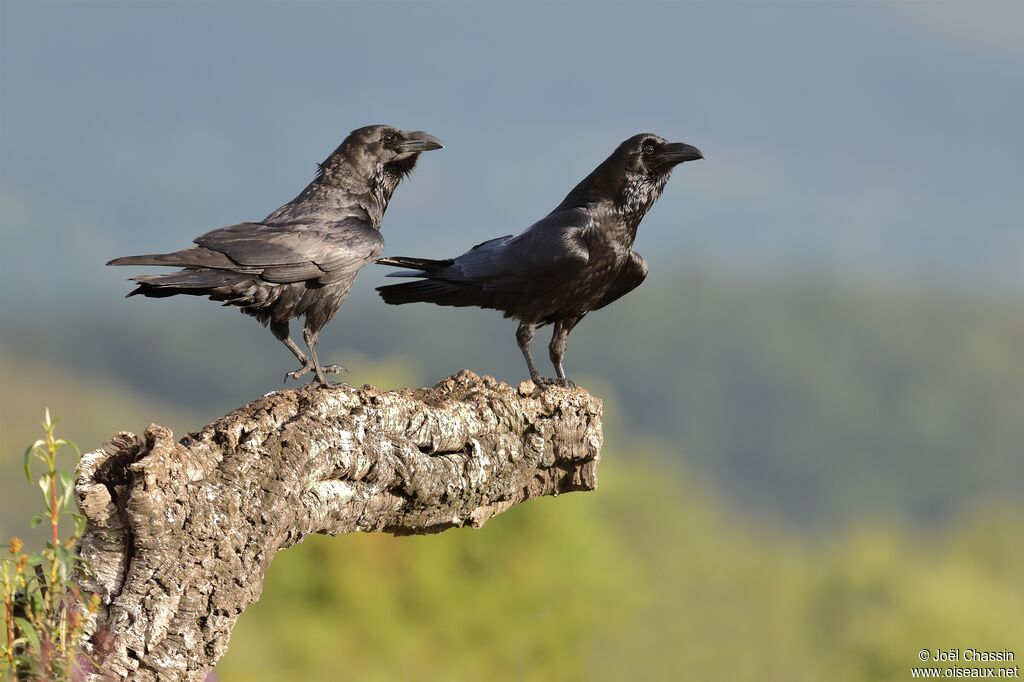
[632, 275]
[547, 253]
[297, 251]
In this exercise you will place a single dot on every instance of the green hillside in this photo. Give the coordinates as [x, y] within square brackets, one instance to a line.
[815, 401]
[91, 409]
[647, 578]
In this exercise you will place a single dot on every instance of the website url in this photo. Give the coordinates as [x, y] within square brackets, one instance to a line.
[975, 672]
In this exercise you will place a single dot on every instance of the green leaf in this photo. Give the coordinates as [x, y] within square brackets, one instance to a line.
[37, 518]
[65, 557]
[44, 485]
[65, 441]
[27, 631]
[67, 488]
[28, 458]
[64, 554]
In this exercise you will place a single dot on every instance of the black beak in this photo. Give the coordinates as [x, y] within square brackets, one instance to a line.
[678, 152]
[419, 141]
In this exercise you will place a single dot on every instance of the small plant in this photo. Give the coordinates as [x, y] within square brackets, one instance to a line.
[45, 612]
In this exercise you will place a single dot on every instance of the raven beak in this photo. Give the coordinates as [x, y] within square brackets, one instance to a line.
[678, 152]
[419, 141]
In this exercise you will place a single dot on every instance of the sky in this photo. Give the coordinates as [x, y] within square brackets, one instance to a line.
[879, 141]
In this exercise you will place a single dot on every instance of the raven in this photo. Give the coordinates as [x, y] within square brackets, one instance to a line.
[302, 259]
[576, 259]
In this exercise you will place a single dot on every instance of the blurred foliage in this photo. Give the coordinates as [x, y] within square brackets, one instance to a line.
[94, 406]
[44, 612]
[820, 401]
[647, 578]
[887, 422]
[521, 598]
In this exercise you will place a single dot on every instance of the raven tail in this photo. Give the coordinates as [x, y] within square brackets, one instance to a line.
[425, 264]
[195, 257]
[217, 284]
[439, 292]
[149, 259]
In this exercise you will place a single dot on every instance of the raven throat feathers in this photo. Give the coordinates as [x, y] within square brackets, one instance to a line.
[638, 194]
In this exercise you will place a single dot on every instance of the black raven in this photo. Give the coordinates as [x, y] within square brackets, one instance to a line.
[301, 259]
[576, 259]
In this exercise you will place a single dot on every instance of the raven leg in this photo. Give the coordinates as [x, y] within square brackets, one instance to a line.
[313, 364]
[556, 349]
[524, 337]
[280, 331]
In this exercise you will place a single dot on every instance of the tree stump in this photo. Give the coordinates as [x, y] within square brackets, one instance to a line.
[180, 534]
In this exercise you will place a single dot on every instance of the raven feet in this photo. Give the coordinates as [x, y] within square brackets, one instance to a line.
[322, 382]
[310, 367]
[544, 382]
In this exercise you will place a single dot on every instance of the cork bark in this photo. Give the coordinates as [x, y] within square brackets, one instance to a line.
[180, 534]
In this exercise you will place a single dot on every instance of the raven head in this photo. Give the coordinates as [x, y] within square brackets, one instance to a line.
[652, 155]
[643, 165]
[372, 153]
[633, 177]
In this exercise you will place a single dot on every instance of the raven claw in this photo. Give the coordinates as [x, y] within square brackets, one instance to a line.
[328, 384]
[310, 367]
[543, 382]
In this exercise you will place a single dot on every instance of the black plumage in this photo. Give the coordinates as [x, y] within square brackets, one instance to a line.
[301, 260]
[577, 259]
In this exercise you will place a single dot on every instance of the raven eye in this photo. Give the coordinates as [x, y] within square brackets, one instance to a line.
[648, 149]
[388, 138]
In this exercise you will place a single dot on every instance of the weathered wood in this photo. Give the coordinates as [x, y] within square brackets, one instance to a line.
[180, 535]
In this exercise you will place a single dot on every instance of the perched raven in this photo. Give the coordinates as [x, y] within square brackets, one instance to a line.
[577, 259]
[300, 260]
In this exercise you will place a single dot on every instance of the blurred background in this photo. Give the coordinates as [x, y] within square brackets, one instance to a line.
[815, 404]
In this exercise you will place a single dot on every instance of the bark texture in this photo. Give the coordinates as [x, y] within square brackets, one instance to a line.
[180, 534]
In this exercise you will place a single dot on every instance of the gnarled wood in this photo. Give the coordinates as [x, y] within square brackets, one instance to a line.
[180, 534]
